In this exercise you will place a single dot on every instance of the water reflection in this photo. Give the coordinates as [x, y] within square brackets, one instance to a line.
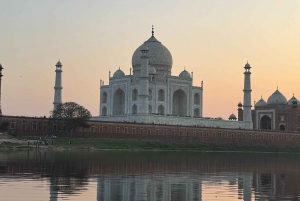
[151, 176]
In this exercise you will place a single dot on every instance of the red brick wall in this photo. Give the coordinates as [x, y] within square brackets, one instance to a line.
[27, 126]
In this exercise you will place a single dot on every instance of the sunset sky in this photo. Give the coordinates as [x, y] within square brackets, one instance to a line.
[212, 38]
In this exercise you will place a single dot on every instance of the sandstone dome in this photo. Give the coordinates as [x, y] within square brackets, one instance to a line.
[277, 98]
[290, 102]
[119, 73]
[159, 56]
[260, 103]
[185, 74]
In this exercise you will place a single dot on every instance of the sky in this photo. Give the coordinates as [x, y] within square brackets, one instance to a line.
[212, 38]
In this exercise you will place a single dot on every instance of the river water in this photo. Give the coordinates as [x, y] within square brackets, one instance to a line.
[148, 175]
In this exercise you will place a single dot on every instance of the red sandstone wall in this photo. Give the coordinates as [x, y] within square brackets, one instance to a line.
[25, 126]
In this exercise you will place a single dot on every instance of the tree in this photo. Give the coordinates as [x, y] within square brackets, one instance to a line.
[72, 115]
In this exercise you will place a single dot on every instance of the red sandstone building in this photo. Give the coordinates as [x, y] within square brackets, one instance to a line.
[275, 114]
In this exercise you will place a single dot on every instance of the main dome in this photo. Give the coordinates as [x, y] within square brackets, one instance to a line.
[277, 98]
[159, 56]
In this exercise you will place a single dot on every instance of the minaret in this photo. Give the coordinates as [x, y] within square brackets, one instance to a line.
[58, 87]
[0, 87]
[144, 79]
[247, 96]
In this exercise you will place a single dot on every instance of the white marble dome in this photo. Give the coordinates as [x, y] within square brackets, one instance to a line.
[277, 98]
[290, 102]
[232, 116]
[152, 70]
[159, 56]
[260, 103]
[185, 74]
[119, 73]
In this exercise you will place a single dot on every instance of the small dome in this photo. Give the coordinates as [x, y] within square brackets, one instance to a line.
[247, 65]
[260, 103]
[58, 63]
[240, 104]
[152, 70]
[290, 102]
[119, 73]
[185, 74]
[277, 98]
[232, 116]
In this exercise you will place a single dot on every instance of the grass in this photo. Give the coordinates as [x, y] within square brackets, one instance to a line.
[90, 143]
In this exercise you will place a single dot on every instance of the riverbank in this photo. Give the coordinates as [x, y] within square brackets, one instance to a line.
[101, 144]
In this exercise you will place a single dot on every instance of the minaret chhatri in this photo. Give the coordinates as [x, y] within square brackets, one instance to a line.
[58, 87]
[247, 96]
[144, 85]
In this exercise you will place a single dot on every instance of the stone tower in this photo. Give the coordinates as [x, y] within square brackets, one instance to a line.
[144, 79]
[58, 87]
[247, 96]
[0, 87]
[240, 111]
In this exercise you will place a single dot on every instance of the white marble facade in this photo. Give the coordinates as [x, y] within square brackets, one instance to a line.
[150, 94]
[167, 94]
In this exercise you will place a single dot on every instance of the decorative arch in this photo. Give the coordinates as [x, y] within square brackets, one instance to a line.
[197, 112]
[104, 97]
[161, 110]
[150, 95]
[104, 111]
[197, 99]
[161, 95]
[266, 123]
[282, 127]
[134, 109]
[149, 109]
[179, 103]
[119, 102]
[134, 95]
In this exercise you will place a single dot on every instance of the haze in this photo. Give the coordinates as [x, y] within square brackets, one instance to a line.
[214, 39]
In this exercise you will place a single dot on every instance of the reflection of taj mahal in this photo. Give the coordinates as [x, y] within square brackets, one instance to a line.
[150, 94]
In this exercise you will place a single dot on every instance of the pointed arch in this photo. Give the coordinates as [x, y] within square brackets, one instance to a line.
[150, 95]
[134, 95]
[104, 97]
[197, 99]
[161, 110]
[149, 109]
[161, 95]
[104, 111]
[119, 102]
[179, 103]
[266, 123]
[134, 109]
[197, 112]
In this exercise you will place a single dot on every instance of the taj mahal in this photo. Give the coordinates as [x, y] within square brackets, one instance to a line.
[151, 94]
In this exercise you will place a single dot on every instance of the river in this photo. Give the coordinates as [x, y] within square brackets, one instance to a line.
[148, 175]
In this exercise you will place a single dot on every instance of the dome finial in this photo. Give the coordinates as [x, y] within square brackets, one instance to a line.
[119, 67]
[277, 87]
[152, 30]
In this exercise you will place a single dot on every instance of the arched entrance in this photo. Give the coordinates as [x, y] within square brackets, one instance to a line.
[179, 103]
[282, 127]
[150, 109]
[104, 97]
[161, 110]
[197, 99]
[134, 109]
[161, 95]
[196, 112]
[119, 102]
[104, 111]
[266, 123]
[134, 95]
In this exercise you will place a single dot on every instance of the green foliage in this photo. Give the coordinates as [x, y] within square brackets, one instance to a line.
[72, 115]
